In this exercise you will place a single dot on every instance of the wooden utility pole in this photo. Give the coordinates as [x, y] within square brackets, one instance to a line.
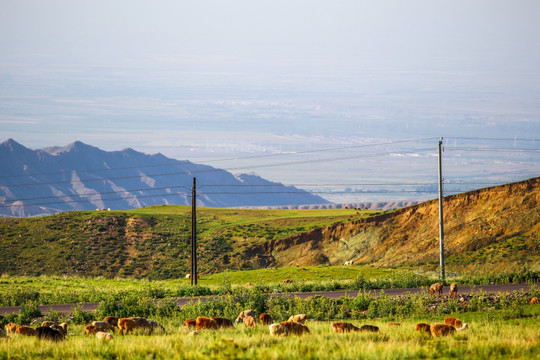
[441, 222]
[194, 232]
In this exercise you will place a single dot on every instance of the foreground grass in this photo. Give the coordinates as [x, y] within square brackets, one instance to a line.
[489, 337]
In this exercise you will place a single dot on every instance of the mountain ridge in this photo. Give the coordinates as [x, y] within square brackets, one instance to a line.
[79, 176]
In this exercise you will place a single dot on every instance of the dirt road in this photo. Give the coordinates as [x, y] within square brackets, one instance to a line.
[492, 289]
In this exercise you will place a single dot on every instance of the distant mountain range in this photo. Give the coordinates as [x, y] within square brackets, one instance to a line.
[82, 177]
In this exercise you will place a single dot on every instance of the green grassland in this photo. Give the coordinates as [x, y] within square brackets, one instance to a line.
[489, 337]
[152, 242]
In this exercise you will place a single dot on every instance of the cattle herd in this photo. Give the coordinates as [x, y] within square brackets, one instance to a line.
[294, 325]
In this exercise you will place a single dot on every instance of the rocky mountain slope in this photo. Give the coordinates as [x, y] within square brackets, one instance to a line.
[496, 228]
[83, 177]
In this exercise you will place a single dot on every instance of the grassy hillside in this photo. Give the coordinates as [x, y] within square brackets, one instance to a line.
[150, 242]
[495, 229]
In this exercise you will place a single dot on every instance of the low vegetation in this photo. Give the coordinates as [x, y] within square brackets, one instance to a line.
[17, 291]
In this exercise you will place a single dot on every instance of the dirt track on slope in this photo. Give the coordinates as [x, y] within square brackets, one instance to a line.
[491, 289]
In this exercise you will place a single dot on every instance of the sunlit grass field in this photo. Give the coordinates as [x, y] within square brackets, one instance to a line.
[489, 337]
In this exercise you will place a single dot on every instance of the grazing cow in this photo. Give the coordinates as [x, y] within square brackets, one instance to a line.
[48, 323]
[342, 327]
[126, 325]
[453, 322]
[90, 329]
[265, 319]
[369, 328]
[299, 318]
[438, 330]
[129, 324]
[103, 326]
[249, 321]
[47, 333]
[113, 320]
[104, 336]
[154, 325]
[534, 301]
[59, 328]
[203, 322]
[278, 330]
[423, 327]
[190, 324]
[223, 322]
[243, 314]
[11, 328]
[287, 281]
[25, 330]
[295, 327]
[453, 290]
[436, 288]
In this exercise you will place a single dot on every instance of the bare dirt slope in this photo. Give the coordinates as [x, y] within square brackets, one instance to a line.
[496, 227]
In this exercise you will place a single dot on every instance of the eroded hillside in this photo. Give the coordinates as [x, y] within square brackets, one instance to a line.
[495, 228]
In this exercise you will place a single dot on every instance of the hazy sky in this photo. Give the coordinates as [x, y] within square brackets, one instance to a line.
[290, 35]
[200, 79]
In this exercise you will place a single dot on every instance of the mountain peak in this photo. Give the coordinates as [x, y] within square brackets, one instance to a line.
[12, 145]
[76, 146]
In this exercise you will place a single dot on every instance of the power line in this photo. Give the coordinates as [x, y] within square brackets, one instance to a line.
[93, 194]
[134, 197]
[490, 149]
[183, 162]
[229, 169]
[490, 139]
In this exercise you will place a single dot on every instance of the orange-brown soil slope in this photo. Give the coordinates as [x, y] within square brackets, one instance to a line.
[495, 227]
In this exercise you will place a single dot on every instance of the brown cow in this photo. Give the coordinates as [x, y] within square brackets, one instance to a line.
[203, 322]
[453, 322]
[278, 330]
[113, 320]
[453, 290]
[394, 324]
[129, 324]
[249, 321]
[91, 329]
[48, 333]
[423, 327]
[190, 324]
[243, 314]
[25, 330]
[436, 288]
[442, 330]
[299, 318]
[369, 328]
[534, 301]
[265, 319]
[11, 328]
[295, 327]
[342, 327]
[223, 322]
